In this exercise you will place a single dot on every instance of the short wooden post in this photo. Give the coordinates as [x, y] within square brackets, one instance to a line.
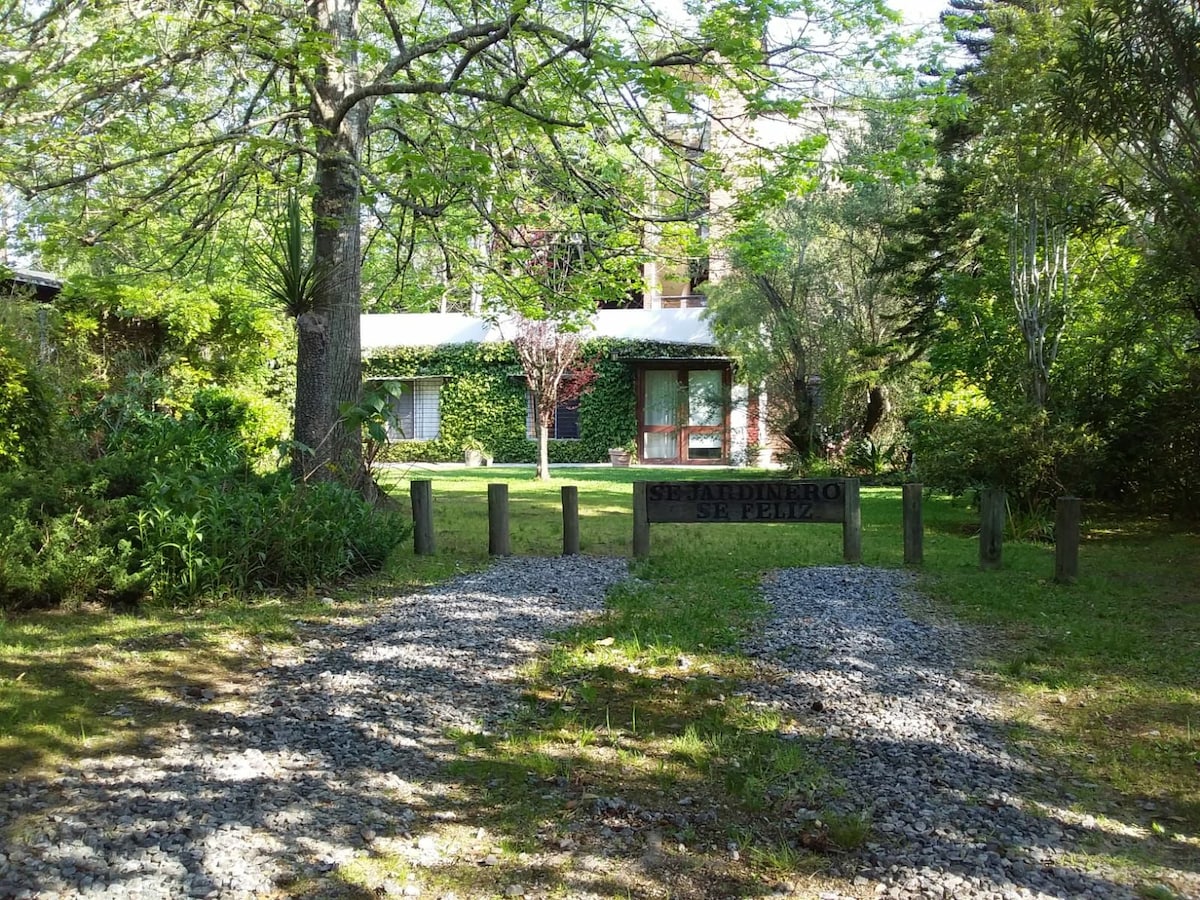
[914, 526]
[422, 510]
[570, 510]
[498, 544]
[852, 522]
[1066, 540]
[991, 528]
[641, 521]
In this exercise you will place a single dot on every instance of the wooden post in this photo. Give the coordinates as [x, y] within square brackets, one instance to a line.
[570, 509]
[852, 523]
[641, 521]
[422, 510]
[1066, 540]
[991, 528]
[914, 526]
[498, 544]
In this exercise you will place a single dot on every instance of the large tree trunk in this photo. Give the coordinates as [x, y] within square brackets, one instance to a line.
[336, 240]
[313, 403]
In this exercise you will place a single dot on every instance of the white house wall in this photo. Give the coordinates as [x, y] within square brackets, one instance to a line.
[383, 330]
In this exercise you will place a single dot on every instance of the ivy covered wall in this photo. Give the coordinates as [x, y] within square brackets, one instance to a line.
[483, 398]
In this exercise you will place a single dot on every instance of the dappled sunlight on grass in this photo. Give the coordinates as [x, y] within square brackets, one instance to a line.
[633, 741]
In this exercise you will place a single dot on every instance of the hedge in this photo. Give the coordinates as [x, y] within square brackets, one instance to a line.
[483, 398]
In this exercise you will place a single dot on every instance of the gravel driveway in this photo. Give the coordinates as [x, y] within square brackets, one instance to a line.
[337, 744]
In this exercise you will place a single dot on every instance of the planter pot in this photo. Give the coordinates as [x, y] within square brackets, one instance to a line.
[620, 458]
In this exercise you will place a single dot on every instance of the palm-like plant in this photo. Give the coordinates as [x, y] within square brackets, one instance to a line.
[286, 273]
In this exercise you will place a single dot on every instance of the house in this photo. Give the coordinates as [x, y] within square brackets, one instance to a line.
[662, 384]
[29, 284]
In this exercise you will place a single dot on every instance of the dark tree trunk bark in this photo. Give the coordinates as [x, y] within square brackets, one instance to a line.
[799, 432]
[336, 246]
[313, 403]
[878, 406]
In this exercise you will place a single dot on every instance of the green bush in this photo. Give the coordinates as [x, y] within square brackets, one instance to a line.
[209, 534]
[1153, 444]
[172, 510]
[1033, 459]
[27, 410]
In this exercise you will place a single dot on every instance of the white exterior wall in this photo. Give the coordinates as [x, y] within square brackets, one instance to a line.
[739, 408]
[382, 330]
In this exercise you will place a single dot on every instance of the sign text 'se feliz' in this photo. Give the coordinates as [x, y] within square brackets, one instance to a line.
[746, 501]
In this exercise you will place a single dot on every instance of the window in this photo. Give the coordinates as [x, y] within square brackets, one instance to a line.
[416, 415]
[566, 419]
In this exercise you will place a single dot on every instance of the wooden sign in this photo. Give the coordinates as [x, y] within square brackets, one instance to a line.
[827, 500]
[745, 501]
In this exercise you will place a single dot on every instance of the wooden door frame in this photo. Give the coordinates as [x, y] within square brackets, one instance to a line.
[682, 367]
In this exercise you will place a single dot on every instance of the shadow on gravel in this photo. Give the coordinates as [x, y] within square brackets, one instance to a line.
[335, 775]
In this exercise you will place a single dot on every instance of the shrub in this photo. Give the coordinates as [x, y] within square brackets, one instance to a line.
[172, 510]
[1032, 458]
[27, 409]
[250, 533]
[1153, 446]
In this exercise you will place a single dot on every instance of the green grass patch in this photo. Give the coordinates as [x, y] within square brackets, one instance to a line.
[639, 707]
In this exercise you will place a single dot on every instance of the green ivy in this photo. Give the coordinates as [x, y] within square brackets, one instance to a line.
[483, 398]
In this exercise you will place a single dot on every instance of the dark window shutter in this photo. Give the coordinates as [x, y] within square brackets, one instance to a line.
[566, 420]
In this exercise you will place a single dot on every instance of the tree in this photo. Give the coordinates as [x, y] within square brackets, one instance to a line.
[1129, 80]
[810, 301]
[555, 373]
[203, 108]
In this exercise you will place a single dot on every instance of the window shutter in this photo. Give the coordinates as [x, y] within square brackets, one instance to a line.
[566, 420]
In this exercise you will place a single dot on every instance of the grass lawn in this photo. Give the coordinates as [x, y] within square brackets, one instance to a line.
[640, 703]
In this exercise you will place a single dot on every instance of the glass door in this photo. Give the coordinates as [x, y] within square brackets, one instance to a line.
[683, 415]
[705, 431]
[660, 415]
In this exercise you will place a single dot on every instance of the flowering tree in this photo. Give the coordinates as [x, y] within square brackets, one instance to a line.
[555, 372]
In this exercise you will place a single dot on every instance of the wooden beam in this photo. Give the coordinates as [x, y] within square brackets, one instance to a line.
[1066, 539]
[914, 525]
[570, 514]
[498, 543]
[991, 528]
[422, 510]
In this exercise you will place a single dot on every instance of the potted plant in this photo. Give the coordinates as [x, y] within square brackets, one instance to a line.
[623, 456]
[476, 453]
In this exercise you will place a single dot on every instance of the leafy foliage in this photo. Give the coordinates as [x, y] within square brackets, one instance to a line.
[172, 510]
[1031, 457]
[28, 414]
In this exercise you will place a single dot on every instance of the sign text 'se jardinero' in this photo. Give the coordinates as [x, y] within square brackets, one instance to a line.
[827, 500]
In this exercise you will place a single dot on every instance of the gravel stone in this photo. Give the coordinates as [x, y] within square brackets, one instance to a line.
[879, 698]
[350, 723]
[341, 736]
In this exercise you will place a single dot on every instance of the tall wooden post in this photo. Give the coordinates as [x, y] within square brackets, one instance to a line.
[498, 544]
[991, 528]
[422, 510]
[1066, 540]
[852, 523]
[914, 525]
[641, 521]
[570, 511]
